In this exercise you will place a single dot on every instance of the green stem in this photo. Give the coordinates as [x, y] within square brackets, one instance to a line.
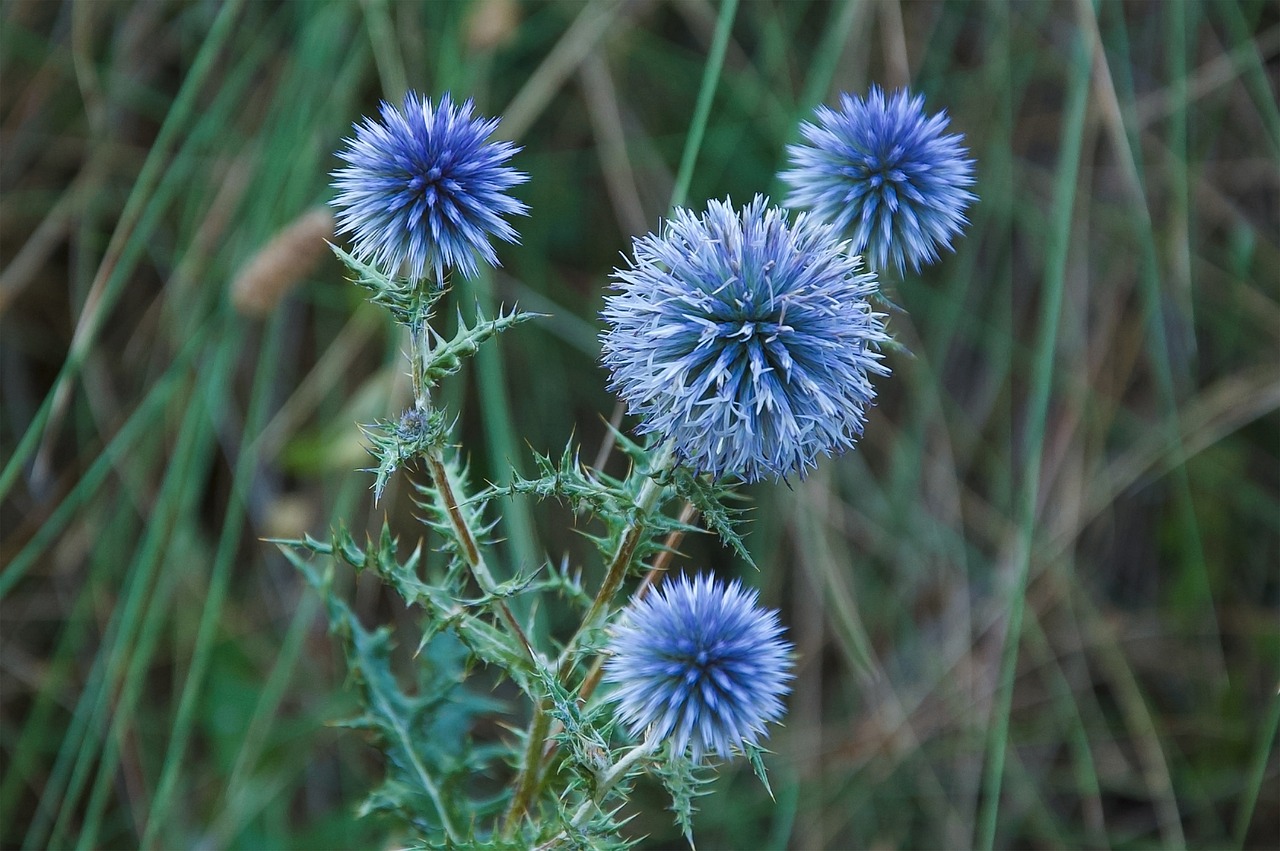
[419, 349]
[466, 539]
[530, 778]
[461, 529]
[469, 546]
[646, 502]
[531, 768]
[616, 775]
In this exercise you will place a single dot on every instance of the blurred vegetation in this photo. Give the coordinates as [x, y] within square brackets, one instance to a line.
[1082, 448]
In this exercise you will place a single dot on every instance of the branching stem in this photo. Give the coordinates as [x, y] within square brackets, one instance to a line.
[615, 775]
[604, 785]
[434, 457]
[650, 581]
[529, 780]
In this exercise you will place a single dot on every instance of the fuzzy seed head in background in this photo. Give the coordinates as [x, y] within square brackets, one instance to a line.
[701, 663]
[425, 187]
[745, 339]
[886, 175]
[287, 259]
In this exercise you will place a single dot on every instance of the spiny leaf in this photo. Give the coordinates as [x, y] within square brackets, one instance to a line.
[489, 644]
[708, 497]
[415, 774]
[409, 302]
[569, 481]
[586, 743]
[445, 356]
[396, 444]
[755, 755]
[518, 584]
[680, 777]
[567, 584]
[637, 452]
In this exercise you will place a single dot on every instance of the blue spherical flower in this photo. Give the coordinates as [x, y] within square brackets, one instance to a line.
[701, 663]
[745, 340]
[424, 186]
[884, 173]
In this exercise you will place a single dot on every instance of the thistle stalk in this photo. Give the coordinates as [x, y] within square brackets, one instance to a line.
[466, 539]
[647, 501]
[433, 456]
[541, 728]
[788, 342]
[651, 579]
[529, 780]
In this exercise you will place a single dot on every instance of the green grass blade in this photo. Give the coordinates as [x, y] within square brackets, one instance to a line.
[1037, 412]
[1257, 773]
[84, 737]
[219, 578]
[178, 500]
[139, 422]
[706, 94]
[137, 221]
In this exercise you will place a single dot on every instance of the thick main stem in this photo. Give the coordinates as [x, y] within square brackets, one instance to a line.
[530, 768]
[651, 579]
[461, 529]
[434, 457]
[418, 337]
[593, 677]
[613, 577]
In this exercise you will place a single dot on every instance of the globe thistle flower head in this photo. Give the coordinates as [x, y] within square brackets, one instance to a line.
[885, 174]
[745, 339]
[701, 664]
[425, 187]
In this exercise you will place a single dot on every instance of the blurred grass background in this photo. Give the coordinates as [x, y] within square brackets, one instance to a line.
[1082, 452]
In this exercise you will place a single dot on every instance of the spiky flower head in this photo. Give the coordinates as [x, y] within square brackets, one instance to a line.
[885, 174]
[425, 186]
[700, 663]
[745, 339]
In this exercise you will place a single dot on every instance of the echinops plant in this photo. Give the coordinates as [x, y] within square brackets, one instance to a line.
[745, 341]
